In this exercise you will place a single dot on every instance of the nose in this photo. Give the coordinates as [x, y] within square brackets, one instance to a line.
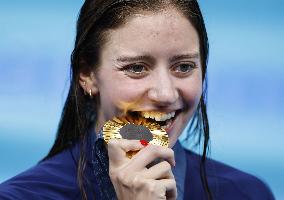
[162, 90]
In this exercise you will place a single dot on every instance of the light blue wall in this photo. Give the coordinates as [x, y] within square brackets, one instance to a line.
[246, 82]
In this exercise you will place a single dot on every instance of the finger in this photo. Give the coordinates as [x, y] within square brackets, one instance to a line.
[148, 154]
[161, 170]
[117, 149]
[169, 187]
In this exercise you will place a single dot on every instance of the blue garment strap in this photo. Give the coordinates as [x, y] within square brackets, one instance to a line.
[101, 170]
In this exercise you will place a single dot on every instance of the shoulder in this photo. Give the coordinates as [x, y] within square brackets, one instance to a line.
[54, 178]
[227, 182]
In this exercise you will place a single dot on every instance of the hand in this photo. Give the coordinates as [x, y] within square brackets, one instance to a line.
[132, 179]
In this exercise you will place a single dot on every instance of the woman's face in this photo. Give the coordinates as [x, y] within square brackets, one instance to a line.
[151, 65]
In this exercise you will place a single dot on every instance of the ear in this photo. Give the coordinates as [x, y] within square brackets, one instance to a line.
[88, 81]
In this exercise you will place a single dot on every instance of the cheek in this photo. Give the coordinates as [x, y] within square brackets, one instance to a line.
[192, 99]
[121, 94]
[129, 96]
[191, 91]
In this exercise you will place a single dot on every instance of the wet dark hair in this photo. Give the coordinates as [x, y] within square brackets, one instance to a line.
[96, 17]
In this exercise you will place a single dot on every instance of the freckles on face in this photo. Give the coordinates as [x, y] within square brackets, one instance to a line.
[118, 93]
[151, 63]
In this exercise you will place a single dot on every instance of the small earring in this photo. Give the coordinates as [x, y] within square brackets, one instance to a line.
[90, 92]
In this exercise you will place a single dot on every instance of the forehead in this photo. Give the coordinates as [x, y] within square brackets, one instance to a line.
[163, 32]
[167, 25]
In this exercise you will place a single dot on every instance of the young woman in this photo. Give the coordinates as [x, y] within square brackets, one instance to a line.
[147, 57]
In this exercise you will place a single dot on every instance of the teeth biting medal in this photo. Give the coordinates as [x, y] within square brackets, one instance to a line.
[135, 128]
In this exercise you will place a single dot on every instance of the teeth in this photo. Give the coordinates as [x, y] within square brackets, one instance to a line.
[158, 116]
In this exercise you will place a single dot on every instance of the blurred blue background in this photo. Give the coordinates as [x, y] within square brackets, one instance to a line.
[246, 82]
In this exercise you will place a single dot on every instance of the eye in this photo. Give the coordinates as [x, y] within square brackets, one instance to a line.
[136, 70]
[184, 68]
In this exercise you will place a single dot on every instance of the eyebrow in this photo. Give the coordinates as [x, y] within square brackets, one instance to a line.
[135, 58]
[184, 56]
[151, 59]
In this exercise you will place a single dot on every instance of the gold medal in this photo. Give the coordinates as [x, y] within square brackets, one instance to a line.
[135, 128]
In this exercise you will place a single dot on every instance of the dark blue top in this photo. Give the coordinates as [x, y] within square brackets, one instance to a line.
[55, 178]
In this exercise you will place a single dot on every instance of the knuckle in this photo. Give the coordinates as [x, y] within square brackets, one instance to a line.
[159, 151]
[167, 165]
[174, 181]
[155, 150]
[116, 174]
[121, 175]
[112, 143]
[123, 179]
[171, 152]
[137, 181]
[151, 187]
[112, 173]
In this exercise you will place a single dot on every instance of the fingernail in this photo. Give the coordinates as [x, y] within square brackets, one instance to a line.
[144, 142]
